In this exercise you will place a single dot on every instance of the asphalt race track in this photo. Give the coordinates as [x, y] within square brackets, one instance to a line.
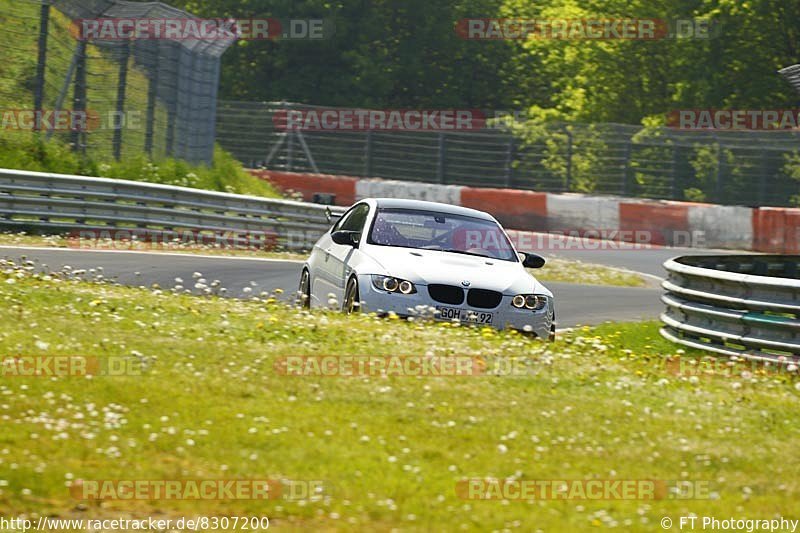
[575, 304]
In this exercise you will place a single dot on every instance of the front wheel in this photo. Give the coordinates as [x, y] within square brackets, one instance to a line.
[352, 302]
[304, 290]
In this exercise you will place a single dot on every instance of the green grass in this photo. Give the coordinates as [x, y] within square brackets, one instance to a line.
[573, 271]
[598, 403]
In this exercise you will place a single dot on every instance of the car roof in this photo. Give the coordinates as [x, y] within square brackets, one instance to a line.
[422, 205]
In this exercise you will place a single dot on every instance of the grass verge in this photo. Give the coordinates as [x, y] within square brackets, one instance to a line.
[574, 271]
[597, 404]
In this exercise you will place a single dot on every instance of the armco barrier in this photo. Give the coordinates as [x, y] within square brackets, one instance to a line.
[447, 194]
[665, 220]
[513, 208]
[343, 187]
[685, 224]
[776, 230]
[61, 203]
[739, 305]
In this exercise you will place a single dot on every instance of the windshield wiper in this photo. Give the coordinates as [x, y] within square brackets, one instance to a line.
[466, 253]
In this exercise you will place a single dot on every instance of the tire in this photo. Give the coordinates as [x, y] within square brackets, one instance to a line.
[304, 290]
[352, 301]
[552, 336]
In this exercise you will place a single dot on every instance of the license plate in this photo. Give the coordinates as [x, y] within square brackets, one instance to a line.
[464, 315]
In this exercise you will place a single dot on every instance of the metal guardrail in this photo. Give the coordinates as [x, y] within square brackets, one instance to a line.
[739, 305]
[59, 203]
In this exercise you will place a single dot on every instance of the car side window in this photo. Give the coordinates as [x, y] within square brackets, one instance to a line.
[353, 220]
[338, 225]
[356, 220]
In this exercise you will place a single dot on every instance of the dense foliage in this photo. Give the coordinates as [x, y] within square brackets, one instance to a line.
[408, 54]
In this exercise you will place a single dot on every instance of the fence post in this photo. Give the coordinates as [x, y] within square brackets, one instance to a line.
[762, 179]
[38, 91]
[212, 134]
[152, 92]
[626, 171]
[122, 82]
[368, 155]
[568, 174]
[289, 150]
[172, 98]
[718, 176]
[78, 138]
[674, 173]
[511, 151]
[440, 167]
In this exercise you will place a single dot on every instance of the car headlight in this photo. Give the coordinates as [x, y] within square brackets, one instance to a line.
[391, 284]
[534, 302]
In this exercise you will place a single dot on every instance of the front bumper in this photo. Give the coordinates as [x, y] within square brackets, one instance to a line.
[420, 303]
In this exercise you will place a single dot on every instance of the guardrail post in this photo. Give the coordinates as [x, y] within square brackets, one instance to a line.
[441, 170]
[78, 138]
[122, 83]
[38, 91]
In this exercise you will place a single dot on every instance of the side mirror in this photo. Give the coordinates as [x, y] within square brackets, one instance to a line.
[347, 238]
[532, 260]
[328, 214]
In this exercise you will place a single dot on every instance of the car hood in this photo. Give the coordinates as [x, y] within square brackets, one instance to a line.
[429, 266]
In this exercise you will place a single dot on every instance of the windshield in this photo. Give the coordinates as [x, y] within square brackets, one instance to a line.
[430, 230]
